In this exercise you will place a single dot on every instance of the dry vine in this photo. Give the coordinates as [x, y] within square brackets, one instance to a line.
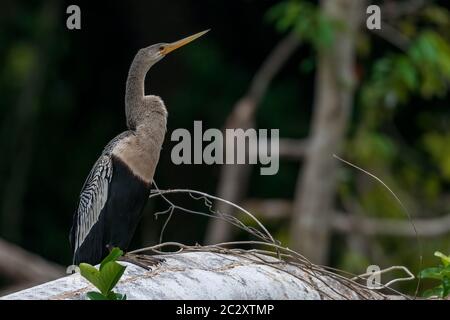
[284, 256]
[288, 257]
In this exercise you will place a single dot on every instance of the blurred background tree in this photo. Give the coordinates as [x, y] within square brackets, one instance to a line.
[377, 98]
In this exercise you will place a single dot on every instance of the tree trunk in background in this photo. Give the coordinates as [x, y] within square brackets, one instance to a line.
[333, 102]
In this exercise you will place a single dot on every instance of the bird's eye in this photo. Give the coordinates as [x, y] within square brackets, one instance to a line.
[161, 48]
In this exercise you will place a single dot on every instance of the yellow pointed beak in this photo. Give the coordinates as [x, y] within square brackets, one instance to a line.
[175, 45]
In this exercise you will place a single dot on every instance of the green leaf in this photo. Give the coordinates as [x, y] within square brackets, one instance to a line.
[431, 273]
[110, 275]
[445, 287]
[112, 295]
[107, 277]
[91, 274]
[113, 256]
[93, 295]
[119, 296]
[437, 291]
[445, 259]
[446, 271]
[407, 73]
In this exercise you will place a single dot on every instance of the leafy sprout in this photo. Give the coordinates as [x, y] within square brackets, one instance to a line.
[105, 278]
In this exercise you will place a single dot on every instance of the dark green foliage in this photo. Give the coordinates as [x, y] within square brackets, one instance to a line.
[306, 20]
[399, 128]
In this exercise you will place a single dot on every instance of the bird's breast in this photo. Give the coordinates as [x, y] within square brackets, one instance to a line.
[141, 157]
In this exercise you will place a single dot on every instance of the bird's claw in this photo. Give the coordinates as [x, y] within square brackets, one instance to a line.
[143, 261]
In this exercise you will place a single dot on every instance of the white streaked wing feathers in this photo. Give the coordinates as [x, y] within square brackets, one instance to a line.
[93, 197]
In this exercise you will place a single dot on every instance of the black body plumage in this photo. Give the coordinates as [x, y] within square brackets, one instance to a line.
[119, 207]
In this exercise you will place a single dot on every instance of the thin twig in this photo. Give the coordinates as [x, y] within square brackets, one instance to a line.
[380, 272]
[419, 243]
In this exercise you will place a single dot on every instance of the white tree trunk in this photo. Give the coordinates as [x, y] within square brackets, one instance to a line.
[335, 85]
[210, 275]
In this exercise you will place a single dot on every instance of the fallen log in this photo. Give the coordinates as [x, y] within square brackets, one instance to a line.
[223, 274]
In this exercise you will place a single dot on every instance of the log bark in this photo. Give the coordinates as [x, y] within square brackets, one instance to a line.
[212, 275]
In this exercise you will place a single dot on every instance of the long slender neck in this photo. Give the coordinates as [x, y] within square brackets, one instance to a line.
[134, 94]
[135, 105]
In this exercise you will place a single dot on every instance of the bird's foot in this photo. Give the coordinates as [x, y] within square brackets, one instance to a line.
[143, 261]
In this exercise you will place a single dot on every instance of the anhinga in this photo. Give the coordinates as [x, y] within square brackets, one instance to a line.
[118, 186]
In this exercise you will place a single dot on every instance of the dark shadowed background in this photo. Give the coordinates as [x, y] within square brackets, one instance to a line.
[62, 100]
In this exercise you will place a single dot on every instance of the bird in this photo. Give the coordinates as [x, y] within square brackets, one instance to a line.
[117, 188]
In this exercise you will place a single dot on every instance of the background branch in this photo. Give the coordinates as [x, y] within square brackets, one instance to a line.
[352, 223]
[24, 268]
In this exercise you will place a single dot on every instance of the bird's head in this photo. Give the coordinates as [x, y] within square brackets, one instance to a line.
[136, 111]
[156, 52]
